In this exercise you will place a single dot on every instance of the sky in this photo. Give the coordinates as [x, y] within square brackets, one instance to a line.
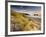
[32, 8]
[28, 9]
